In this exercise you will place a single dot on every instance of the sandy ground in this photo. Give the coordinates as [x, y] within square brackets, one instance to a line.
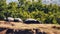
[36, 28]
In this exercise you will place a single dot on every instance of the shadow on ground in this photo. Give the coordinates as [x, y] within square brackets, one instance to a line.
[26, 31]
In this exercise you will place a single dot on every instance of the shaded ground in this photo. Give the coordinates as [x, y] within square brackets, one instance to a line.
[21, 28]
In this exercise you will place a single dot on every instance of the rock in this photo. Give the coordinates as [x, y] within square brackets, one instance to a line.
[17, 20]
[32, 21]
[10, 19]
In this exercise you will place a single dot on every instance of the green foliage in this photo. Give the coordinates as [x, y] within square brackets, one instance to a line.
[26, 9]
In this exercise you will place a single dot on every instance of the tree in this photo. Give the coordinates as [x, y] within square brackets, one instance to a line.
[3, 7]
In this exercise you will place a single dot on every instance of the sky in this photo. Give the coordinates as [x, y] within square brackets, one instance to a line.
[8, 1]
[51, 1]
[43, 1]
